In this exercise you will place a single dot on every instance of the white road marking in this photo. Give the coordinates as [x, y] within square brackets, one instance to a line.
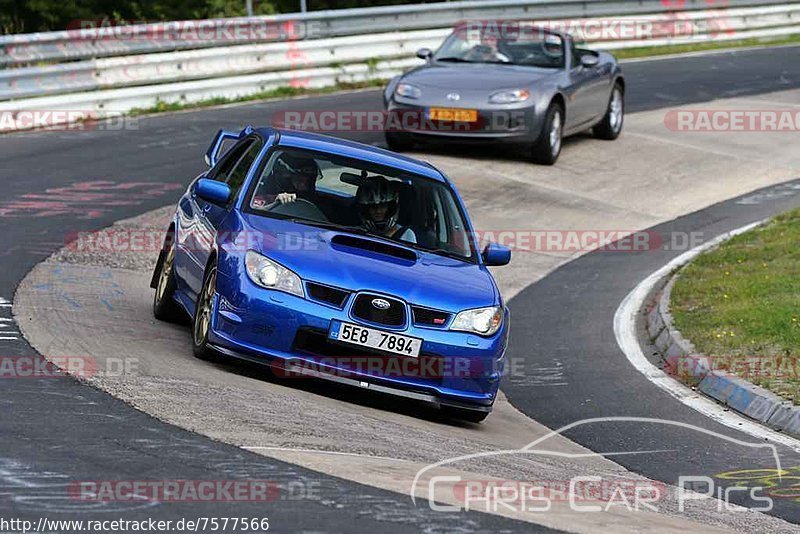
[625, 332]
[3, 338]
[4, 320]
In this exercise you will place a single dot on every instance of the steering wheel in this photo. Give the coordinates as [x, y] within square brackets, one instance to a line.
[301, 207]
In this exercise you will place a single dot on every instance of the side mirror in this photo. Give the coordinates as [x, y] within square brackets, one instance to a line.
[495, 255]
[213, 191]
[424, 53]
[589, 60]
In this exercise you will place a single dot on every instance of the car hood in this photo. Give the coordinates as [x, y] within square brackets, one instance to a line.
[323, 256]
[481, 77]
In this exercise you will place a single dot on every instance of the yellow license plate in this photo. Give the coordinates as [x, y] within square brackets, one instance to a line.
[454, 114]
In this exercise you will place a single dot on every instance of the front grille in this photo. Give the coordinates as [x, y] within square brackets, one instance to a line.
[428, 317]
[429, 368]
[394, 315]
[327, 294]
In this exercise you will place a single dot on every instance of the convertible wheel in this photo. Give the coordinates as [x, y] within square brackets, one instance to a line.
[201, 324]
[399, 141]
[164, 306]
[548, 146]
[611, 125]
[464, 414]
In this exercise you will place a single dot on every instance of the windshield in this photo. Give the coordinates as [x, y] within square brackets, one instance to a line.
[514, 45]
[359, 197]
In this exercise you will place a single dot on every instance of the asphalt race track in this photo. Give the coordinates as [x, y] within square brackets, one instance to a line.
[570, 316]
[56, 431]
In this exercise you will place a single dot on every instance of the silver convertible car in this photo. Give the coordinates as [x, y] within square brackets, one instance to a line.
[506, 82]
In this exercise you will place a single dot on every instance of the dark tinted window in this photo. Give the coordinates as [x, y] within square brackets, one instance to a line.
[226, 164]
[239, 172]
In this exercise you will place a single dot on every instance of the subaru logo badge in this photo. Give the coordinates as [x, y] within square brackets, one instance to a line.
[381, 304]
[453, 96]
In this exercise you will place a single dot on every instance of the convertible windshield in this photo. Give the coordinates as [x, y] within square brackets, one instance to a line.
[360, 197]
[513, 44]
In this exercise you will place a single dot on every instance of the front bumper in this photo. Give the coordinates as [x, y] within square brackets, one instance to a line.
[518, 125]
[290, 334]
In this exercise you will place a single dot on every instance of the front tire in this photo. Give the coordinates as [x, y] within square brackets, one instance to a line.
[164, 306]
[203, 312]
[611, 125]
[548, 146]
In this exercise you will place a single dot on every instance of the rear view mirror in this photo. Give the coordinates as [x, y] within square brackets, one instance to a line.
[213, 191]
[495, 255]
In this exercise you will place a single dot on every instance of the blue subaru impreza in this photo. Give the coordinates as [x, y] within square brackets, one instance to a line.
[332, 259]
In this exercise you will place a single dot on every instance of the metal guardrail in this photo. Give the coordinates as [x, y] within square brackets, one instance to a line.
[147, 69]
[114, 85]
[18, 50]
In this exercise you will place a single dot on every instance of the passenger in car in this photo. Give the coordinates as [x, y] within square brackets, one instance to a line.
[378, 207]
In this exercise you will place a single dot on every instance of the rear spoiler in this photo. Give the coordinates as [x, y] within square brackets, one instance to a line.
[213, 152]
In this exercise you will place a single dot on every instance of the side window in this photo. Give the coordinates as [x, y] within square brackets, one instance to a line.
[222, 170]
[237, 175]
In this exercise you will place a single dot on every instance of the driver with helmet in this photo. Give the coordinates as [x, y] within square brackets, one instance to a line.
[293, 177]
[378, 206]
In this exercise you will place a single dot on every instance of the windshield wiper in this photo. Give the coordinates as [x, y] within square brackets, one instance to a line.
[454, 59]
[327, 224]
[445, 252]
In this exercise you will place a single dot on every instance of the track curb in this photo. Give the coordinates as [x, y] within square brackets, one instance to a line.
[681, 360]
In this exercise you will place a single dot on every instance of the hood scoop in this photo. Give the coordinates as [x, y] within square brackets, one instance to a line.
[368, 247]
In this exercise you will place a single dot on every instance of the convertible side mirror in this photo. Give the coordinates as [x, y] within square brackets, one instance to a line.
[213, 191]
[424, 53]
[589, 60]
[495, 255]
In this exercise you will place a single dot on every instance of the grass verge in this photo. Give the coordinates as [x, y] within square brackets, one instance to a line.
[740, 305]
[650, 51]
[272, 94]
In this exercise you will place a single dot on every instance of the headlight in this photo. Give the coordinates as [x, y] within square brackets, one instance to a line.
[272, 275]
[483, 321]
[407, 90]
[509, 97]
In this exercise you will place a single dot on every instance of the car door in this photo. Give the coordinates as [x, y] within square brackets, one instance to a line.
[578, 107]
[597, 87]
[206, 217]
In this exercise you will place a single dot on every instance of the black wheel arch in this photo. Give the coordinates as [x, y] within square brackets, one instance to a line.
[160, 260]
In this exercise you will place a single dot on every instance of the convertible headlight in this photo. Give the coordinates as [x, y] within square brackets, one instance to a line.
[509, 97]
[272, 275]
[407, 90]
[483, 321]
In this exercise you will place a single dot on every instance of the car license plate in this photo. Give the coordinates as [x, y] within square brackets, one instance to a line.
[375, 339]
[453, 114]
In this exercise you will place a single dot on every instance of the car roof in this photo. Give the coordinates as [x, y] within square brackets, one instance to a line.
[353, 149]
